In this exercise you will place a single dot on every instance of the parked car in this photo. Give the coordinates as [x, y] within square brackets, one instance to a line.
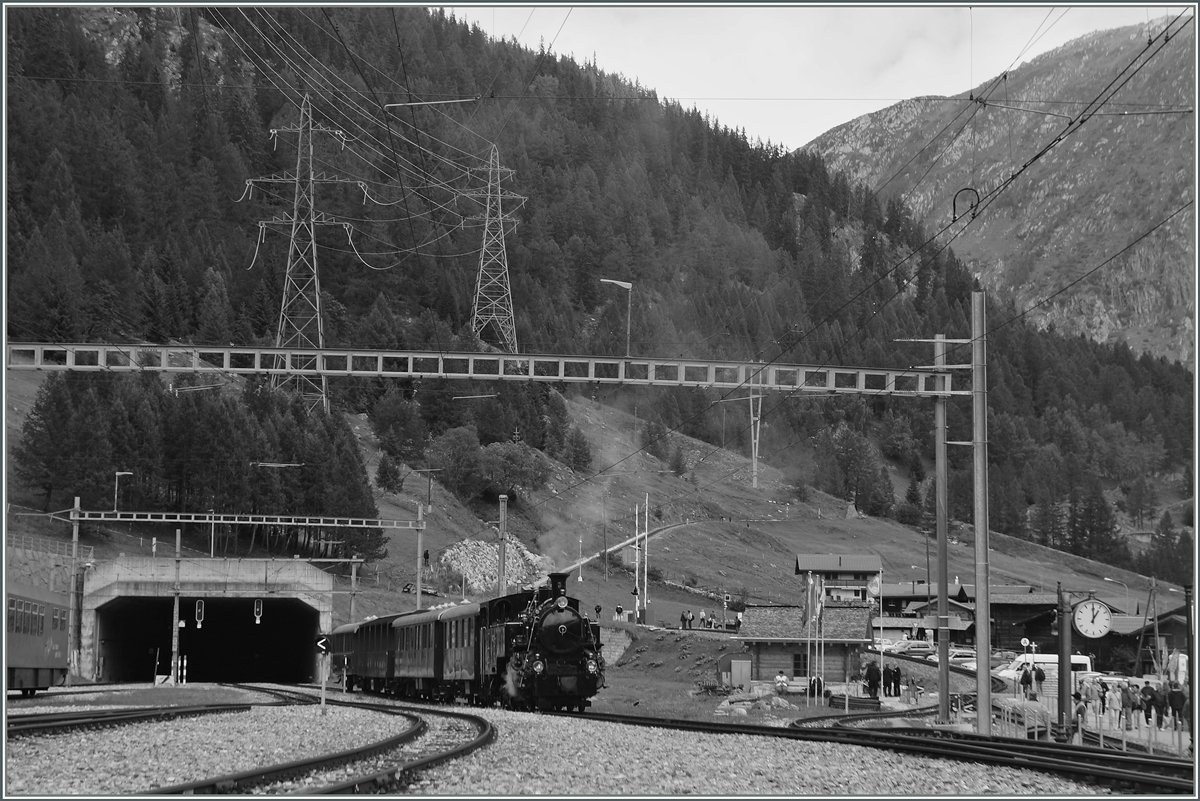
[956, 656]
[914, 648]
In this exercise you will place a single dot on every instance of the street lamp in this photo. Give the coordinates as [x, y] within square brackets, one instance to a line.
[1126, 586]
[117, 483]
[212, 536]
[628, 306]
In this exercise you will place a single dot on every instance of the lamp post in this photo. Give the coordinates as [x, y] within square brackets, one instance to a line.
[1126, 586]
[212, 535]
[628, 306]
[117, 484]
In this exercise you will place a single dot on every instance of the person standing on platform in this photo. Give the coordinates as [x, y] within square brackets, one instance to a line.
[1078, 717]
[1175, 700]
[1149, 702]
[1112, 700]
[887, 681]
[701, 618]
[873, 677]
[1039, 676]
[1126, 705]
[682, 620]
[691, 617]
[896, 681]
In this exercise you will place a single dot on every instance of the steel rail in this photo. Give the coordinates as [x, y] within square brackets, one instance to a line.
[243, 781]
[55, 721]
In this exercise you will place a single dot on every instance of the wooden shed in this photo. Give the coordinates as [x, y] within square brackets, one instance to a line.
[780, 638]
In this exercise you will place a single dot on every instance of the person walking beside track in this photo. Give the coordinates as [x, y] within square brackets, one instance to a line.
[1026, 681]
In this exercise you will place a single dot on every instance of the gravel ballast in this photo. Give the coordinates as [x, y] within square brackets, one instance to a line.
[139, 757]
[532, 755]
[567, 756]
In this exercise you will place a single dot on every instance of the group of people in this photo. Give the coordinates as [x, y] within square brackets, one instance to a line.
[1031, 678]
[889, 679]
[1122, 703]
[708, 621]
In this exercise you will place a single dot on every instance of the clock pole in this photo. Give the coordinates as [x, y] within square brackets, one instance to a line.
[1064, 663]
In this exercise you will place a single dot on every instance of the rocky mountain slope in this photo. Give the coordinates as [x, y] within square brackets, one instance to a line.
[1129, 168]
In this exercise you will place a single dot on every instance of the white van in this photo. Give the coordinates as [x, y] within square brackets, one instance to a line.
[1080, 663]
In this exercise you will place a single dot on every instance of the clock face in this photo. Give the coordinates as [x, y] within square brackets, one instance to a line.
[1092, 618]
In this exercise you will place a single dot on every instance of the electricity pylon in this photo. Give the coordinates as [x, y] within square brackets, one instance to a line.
[493, 295]
[300, 323]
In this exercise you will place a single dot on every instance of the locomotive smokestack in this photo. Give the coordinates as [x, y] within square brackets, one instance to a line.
[558, 584]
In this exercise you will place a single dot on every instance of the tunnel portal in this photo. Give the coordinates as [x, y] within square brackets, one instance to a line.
[228, 645]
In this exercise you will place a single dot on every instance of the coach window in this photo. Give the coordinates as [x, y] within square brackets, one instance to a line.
[41, 620]
[12, 613]
[24, 617]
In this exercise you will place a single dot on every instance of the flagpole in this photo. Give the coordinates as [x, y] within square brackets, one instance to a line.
[646, 562]
[808, 637]
[637, 567]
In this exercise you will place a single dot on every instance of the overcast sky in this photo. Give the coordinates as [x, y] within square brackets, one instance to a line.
[788, 73]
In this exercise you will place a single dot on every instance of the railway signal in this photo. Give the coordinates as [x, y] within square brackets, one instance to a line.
[199, 613]
[258, 610]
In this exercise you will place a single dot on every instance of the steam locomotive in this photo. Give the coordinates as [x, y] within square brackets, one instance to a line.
[531, 649]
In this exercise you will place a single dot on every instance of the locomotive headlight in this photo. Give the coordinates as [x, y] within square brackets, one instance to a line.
[539, 666]
[561, 602]
[592, 667]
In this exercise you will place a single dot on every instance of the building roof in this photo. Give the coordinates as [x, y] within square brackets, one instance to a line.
[1024, 599]
[919, 607]
[915, 589]
[828, 562]
[846, 621]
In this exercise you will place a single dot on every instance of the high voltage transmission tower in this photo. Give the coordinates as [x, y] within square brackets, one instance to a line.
[493, 295]
[300, 323]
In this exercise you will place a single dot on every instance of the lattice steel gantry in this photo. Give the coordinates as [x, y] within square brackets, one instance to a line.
[493, 295]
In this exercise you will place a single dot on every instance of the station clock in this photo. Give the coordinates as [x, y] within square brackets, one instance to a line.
[1092, 618]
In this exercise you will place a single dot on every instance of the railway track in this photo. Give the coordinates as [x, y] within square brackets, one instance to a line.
[1133, 773]
[32, 724]
[386, 766]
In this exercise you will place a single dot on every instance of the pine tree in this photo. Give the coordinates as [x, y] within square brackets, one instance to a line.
[578, 451]
[42, 454]
[678, 463]
[387, 475]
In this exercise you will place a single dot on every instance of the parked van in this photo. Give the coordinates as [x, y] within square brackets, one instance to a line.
[1080, 663]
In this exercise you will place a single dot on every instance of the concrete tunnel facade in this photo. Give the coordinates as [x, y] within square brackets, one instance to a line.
[259, 621]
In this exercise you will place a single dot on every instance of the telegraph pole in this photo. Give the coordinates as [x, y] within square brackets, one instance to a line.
[175, 614]
[502, 580]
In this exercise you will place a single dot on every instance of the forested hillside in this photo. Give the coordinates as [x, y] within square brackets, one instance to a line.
[132, 136]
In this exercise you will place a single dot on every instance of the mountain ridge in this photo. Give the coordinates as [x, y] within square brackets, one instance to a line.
[1074, 205]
